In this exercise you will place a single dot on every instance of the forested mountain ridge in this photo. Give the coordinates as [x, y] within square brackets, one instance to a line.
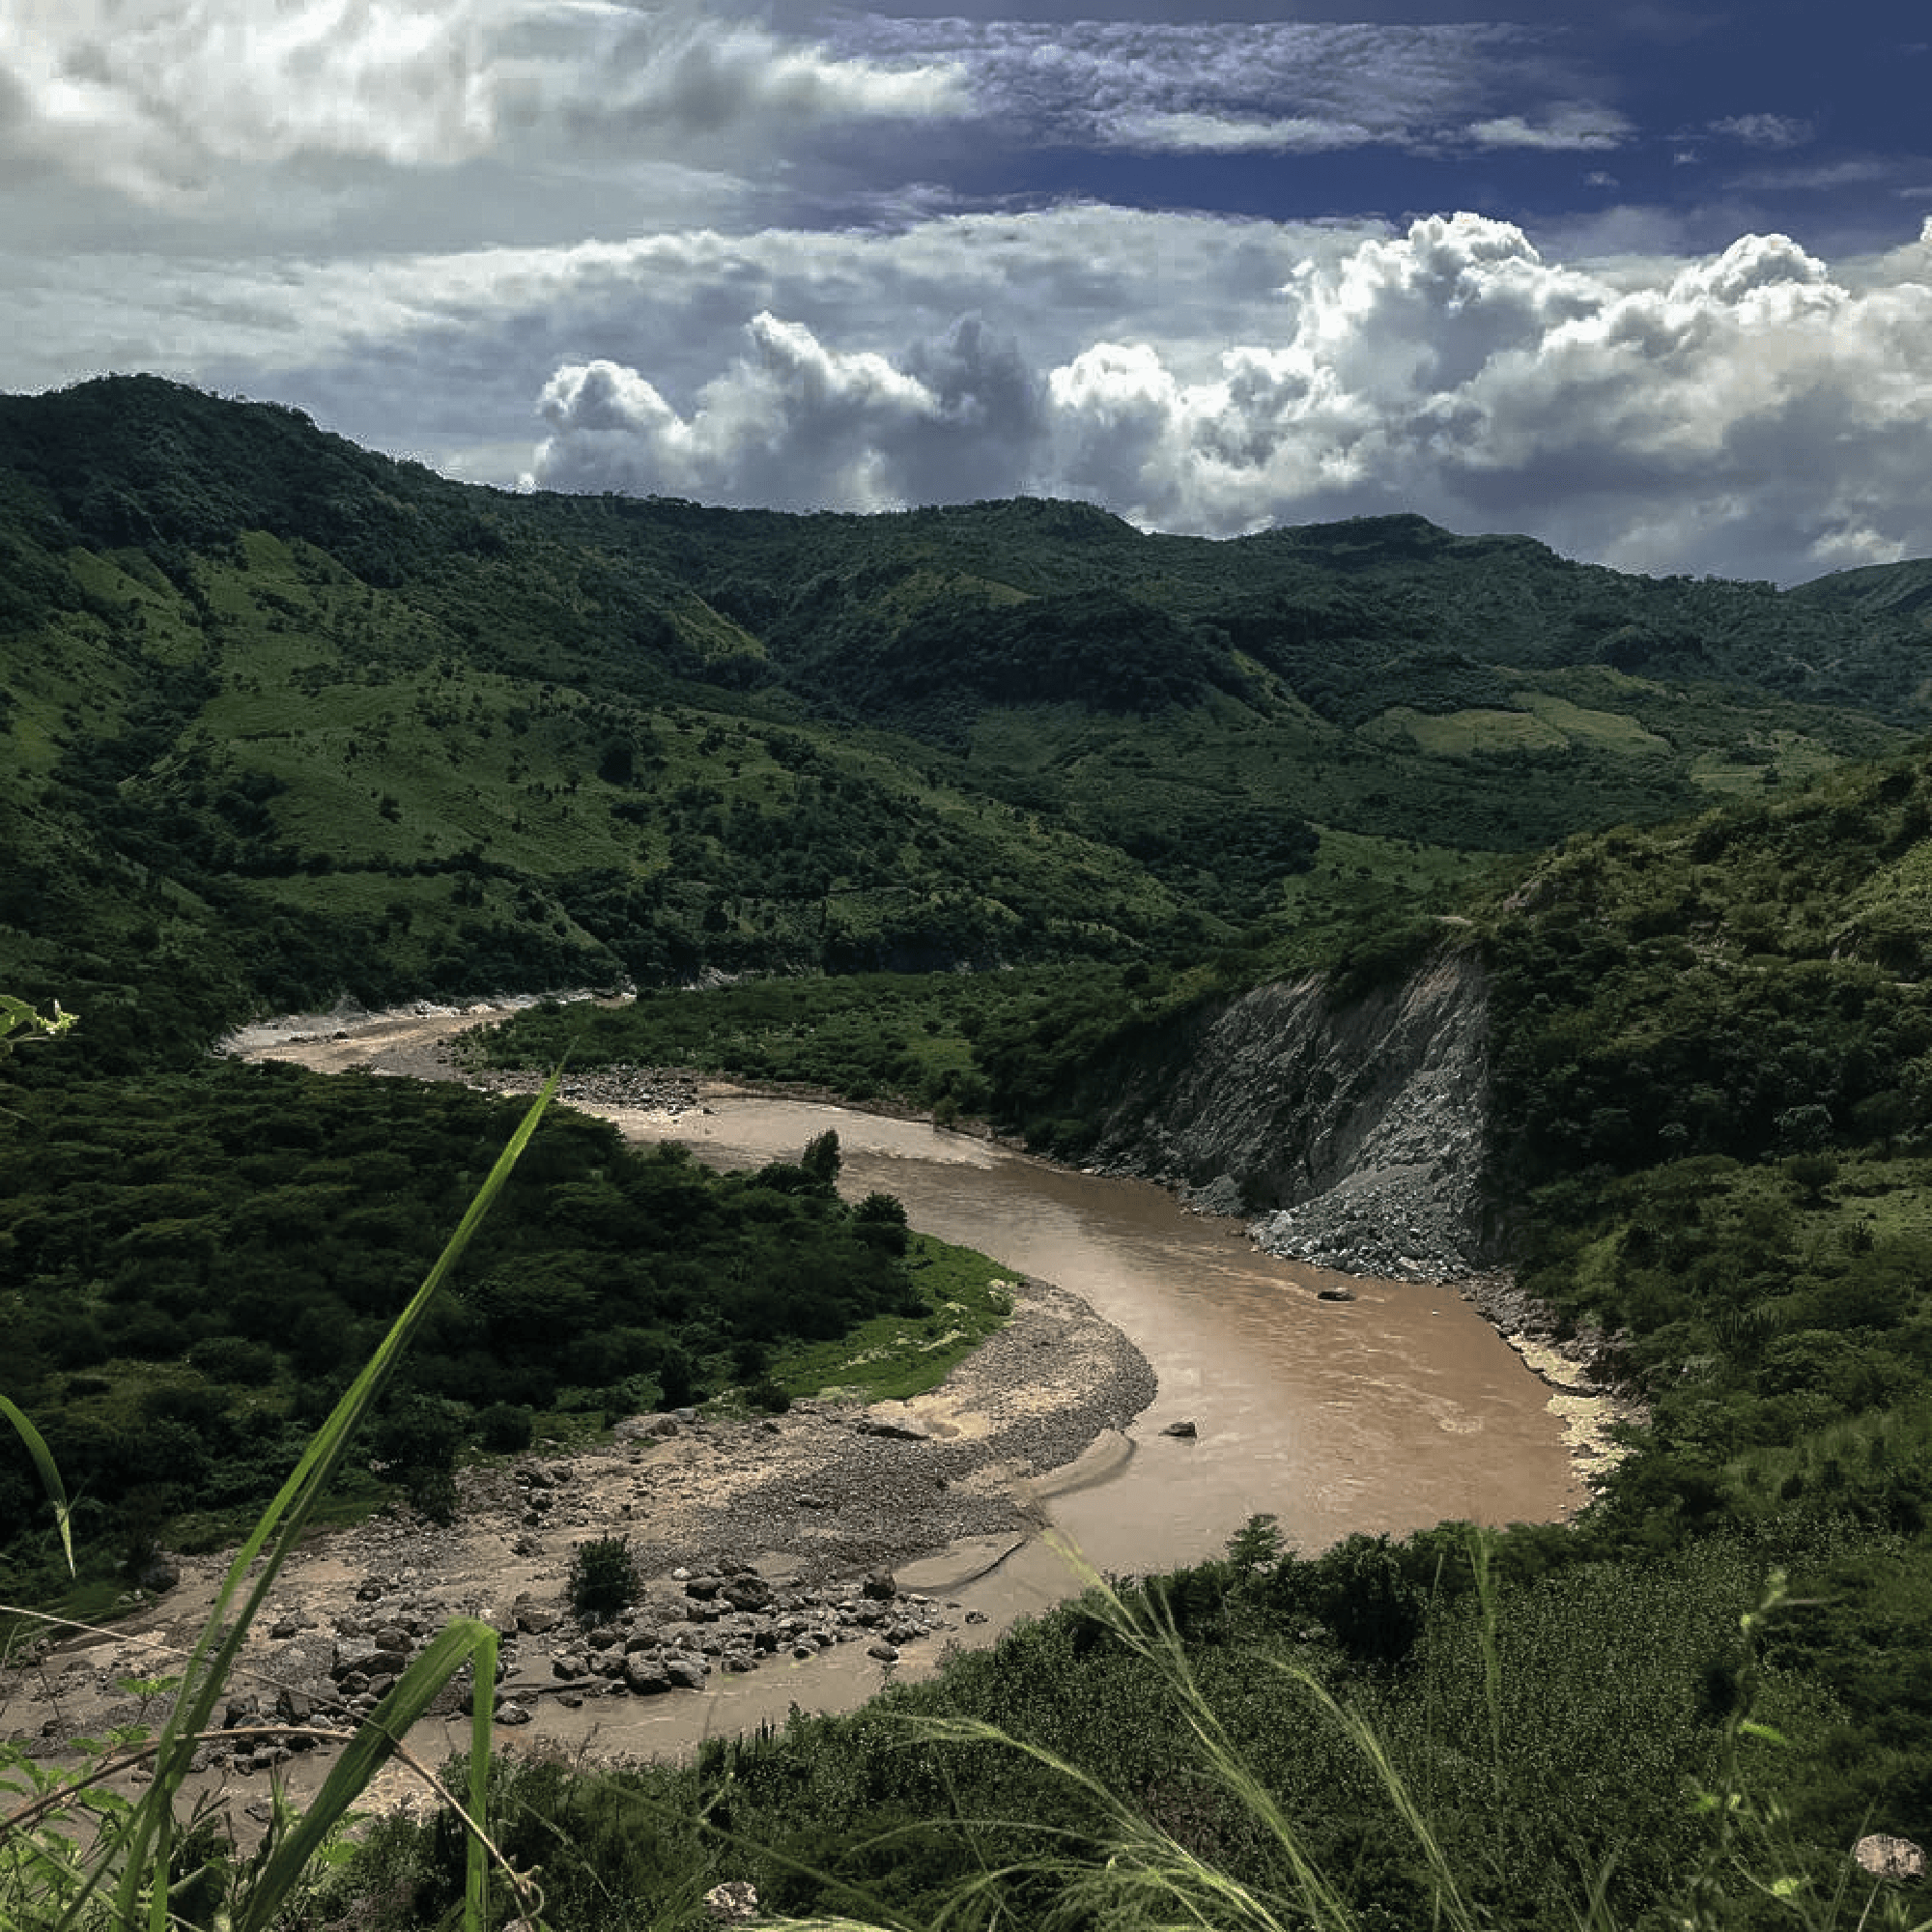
[286, 718]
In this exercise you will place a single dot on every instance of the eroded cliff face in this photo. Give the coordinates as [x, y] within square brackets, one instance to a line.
[1354, 1132]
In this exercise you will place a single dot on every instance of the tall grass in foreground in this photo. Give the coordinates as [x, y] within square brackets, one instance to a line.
[1132, 1875]
[74, 1854]
[1119, 1870]
[630, 1849]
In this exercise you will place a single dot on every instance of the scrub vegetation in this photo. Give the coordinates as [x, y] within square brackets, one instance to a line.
[966, 805]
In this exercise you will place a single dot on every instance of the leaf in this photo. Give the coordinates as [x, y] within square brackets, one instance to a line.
[463, 1641]
[44, 1462]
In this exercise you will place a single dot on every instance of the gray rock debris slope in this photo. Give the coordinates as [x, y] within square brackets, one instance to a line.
[1359, 1129]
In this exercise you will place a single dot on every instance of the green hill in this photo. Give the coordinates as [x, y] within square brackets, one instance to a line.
[284, 718]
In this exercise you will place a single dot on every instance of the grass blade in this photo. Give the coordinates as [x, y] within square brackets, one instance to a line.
[476, 1877]
[274, 1536]
[51, 1475]
[465, 1640]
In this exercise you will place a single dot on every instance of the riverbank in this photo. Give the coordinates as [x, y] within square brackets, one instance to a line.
[773, 1547]
[422, 1041]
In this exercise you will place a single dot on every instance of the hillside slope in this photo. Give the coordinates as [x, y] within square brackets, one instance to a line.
[284, 718]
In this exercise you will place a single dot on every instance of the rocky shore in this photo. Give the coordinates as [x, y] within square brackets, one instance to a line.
[760, 1542]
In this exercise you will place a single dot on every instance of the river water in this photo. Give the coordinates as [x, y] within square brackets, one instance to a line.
[1391, 1411]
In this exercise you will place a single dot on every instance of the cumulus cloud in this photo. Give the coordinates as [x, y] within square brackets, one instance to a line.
[1751, 411]
[156, 98]
[795, 424]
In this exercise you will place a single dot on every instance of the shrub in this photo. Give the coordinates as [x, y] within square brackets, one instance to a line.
[769, 1395]
[505, 1428]
[603, 1578]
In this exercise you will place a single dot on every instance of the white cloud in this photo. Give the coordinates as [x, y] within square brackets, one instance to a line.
[1570, 127]
[158, 99]
[1233, 134]
[1750, 412]
[1765, 130]
[793, 424]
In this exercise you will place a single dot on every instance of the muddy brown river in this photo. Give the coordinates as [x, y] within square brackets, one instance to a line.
[1388, 1413]
[1391, 1411]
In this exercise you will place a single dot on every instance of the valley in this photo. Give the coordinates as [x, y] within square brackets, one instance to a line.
[1430, 904]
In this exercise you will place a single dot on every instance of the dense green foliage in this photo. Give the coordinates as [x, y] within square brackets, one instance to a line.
[283, 718]
[196, 1265]
[1712, 1088]
[1011, 1048]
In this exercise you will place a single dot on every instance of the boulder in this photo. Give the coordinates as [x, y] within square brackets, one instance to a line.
[734, 1902]
[645, 1676]
[748, 1591]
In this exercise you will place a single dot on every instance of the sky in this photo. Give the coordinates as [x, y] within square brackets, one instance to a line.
[1651, 281]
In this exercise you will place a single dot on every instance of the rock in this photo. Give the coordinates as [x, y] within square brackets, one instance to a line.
[1334, 1294]
[368, 1661]
[748, 1593]
[734, 1902]
[512, 1715]
[1886, 1857]
[158, 1573]
[686, 1672]
[1185, 1430]
[645, 1676]
[881, 1586]
[886, 1653]
[534, 1619]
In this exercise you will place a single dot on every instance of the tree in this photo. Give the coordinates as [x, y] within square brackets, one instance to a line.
[821, 1158]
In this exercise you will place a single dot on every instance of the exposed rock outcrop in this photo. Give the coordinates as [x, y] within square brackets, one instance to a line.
[1354, 1131]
